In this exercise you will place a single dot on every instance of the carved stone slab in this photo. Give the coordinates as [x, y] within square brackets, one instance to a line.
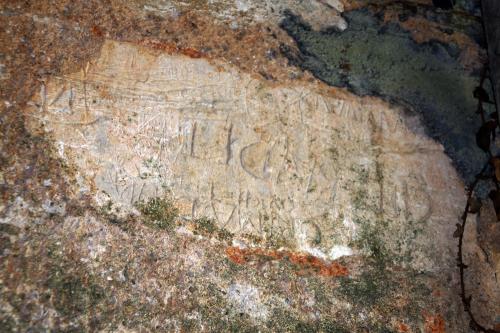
[319, 168]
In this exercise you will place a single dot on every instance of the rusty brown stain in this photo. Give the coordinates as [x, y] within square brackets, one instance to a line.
[403, 328]
[171, 48]
[305, 263]
[434, 323]
[97, 31]
[166, 47]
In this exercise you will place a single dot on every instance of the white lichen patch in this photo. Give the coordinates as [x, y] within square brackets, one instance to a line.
[52, 207]
[17, 213]
[338, 251]
[246, 299]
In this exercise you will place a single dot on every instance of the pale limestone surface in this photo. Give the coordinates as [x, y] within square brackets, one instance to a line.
[316, 167]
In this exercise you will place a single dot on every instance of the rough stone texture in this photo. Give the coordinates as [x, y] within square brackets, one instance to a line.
[314, 168]
[321, 14]
[491, 10]
[483, 255]
[73, 260]
[427, 61]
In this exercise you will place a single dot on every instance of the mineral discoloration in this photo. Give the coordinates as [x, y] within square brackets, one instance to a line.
[306, 263]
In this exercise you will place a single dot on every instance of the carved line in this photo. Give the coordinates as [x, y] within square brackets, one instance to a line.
[229, 143]
[193, 135]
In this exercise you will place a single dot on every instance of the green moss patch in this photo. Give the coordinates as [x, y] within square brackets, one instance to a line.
[207, 226]
[159, 213]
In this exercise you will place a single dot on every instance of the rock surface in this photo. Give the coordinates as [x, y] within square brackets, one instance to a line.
[171, 166]
[429, 62]
[317, 169]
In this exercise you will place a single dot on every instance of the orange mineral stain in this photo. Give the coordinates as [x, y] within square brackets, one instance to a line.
[97, 31]
[304, 263]
[236, 255]
[171, 48]
[403, 328]
[434, 324]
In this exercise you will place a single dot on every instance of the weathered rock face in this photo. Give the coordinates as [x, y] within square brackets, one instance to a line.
[319, 14]
[173, 166]
[400, 56]
[313, 167]
[482, 253]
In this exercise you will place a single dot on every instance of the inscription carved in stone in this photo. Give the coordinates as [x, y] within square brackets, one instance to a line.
[313, 166]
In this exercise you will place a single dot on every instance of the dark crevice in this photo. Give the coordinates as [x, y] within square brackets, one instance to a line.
[443, 4]
[378, 59]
